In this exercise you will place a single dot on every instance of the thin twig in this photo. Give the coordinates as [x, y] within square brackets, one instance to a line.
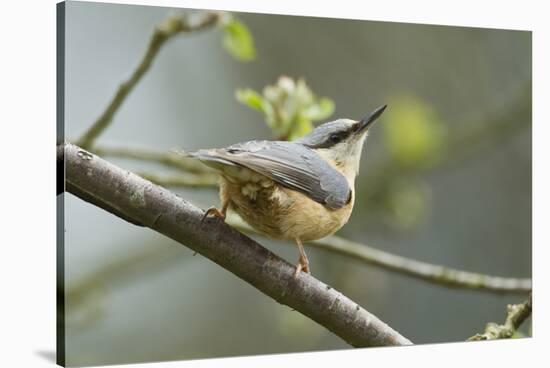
[111, 187]
[192, 173]
[517, 314]
[167, 29]
[169, 159]
[425, 271]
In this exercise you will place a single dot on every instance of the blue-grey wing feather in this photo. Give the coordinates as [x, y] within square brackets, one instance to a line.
[290, 164]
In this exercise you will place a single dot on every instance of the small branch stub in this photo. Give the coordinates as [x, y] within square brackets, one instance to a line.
[517, 314]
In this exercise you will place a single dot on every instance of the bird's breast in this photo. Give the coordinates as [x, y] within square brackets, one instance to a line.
[280, 212]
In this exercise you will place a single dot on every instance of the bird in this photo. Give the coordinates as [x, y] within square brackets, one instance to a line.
[299, 190]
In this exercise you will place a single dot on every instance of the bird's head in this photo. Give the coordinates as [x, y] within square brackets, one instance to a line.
[342, 140]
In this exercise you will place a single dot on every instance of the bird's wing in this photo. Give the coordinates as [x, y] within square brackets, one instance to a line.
[289, 164]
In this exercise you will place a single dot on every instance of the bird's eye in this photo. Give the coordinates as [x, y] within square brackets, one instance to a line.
[334, 138]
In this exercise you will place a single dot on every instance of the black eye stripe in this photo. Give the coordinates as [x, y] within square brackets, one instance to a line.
[333, 139]
[328, 134]
[340, 136]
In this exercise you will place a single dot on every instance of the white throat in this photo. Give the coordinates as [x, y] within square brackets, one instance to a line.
[345, 156]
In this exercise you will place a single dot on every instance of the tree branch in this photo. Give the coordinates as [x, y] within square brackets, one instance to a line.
[109, 186]
[167, 29]
[517, 314]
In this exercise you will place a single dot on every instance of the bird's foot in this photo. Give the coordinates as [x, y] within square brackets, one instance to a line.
[216, 213]
[302, 265]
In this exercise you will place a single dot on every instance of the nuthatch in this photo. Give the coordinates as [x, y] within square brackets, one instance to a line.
[299, 191]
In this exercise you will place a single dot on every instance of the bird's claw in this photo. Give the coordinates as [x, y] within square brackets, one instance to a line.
[303, 265]
[216, 213]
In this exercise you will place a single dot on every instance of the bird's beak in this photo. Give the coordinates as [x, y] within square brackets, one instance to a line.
[365, 123]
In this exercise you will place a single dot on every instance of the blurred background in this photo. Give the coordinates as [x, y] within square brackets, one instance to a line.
[445, 177]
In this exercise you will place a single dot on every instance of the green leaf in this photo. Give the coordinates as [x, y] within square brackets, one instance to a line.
[289, 107]
[238, 40]
[250, 98]
[321, 110]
